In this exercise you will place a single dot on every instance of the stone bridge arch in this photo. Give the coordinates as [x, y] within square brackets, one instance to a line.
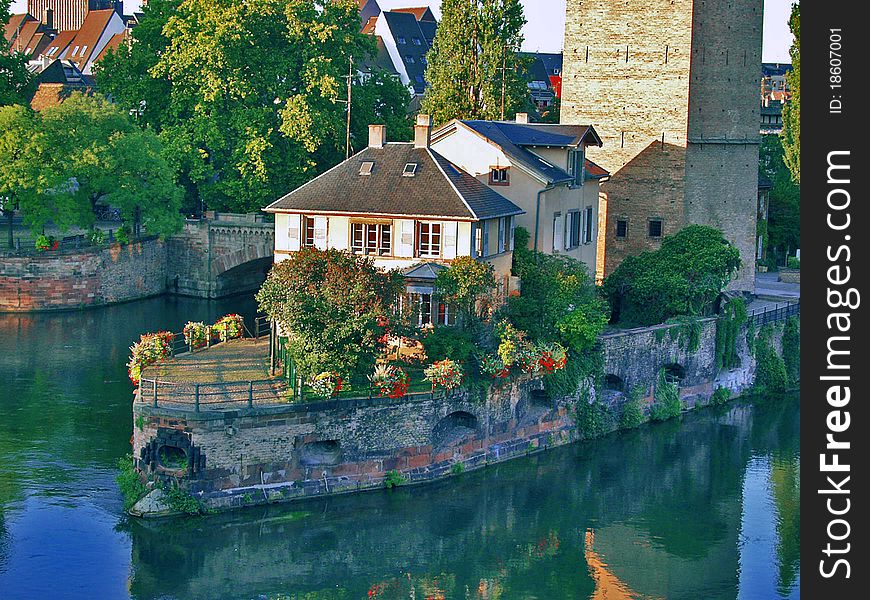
[221, 255]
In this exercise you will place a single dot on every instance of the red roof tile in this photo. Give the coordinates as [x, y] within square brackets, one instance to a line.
[88, 35]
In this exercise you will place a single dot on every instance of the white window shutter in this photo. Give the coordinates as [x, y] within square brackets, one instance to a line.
[405, 238]
[557, 232]
[448, 243]
[513, 226]
[293, 232]
[320, 233]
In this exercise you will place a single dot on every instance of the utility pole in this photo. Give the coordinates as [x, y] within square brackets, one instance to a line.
[349, 97]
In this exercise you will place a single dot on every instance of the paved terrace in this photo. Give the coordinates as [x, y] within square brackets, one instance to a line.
[234, 372]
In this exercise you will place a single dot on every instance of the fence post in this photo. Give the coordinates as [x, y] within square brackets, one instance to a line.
[250, 394]
[196, 397]
[256, 328]
[155, 393]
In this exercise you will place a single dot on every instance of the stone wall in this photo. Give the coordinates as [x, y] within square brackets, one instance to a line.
[80, 278]
[262, 454]
[267, 454]
[672, 88]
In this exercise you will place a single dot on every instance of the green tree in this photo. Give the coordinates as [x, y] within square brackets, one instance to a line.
[474, 69]
[683, 277]
[558, 301]
[247, 95]
[16, 81]
[783, 214]
[381, 98]
[334, 307]
[467, 284]
[791, 112]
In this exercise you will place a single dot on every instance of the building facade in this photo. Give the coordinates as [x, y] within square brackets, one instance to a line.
[408, 208]
[672, 88]
[538, 167]
[70, 14]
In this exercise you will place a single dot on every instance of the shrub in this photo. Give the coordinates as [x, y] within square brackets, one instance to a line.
[720, 396]
[667, 404]
[794, 262]
[448, 342]
[467, 284]
[123, 234]
[770, 373]
[229, 327]
[683, 277]
[791, 349]
[179, 500]
[394, 479]
[129, 482]
[731, 319]
[594, 418]
[96, 236]
[632, 413]
[457, 468]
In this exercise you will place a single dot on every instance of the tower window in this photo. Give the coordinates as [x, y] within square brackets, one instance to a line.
[621, 228]
[655, 228]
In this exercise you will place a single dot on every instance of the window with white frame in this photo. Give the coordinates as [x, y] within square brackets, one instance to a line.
[576, 165]
[499, 176]
[371, 238]
[505, 230]
[428, 239]
[572, 229]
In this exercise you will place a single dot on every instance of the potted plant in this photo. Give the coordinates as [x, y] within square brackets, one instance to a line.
[327, 384]
[390, 381]
[445, 373]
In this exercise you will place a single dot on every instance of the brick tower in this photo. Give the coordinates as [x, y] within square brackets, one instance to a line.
[672, 87]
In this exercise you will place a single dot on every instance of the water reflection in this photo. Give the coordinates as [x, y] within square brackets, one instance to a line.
[706, 510]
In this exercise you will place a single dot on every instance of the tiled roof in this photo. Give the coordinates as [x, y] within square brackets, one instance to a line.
[114, 41]
[426, 270]
[514, 138]
[421, 13]
[10, 29]
[61, 42]
[593, 171]
[89, 35]
[437, 189]
[405, 26]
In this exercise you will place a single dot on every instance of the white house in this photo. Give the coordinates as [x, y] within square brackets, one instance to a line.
[543, 169]
[407, 207]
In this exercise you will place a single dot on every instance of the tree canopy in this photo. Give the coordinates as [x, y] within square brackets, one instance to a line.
[783, 213]
[466, 283]
[16, 81]
[474, 69]
[247, 95]
[791, 111]
[683, 277]
[58, 163]
[558, 301]
[333, 306]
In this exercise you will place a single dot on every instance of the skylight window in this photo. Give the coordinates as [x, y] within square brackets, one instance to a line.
[365, 167]
[75, 51]
[84, 49]
[410, 170]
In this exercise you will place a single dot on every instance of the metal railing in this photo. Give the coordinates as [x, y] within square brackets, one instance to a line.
[212, 396]
[779, 312]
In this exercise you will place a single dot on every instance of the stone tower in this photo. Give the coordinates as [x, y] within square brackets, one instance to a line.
[672, 87]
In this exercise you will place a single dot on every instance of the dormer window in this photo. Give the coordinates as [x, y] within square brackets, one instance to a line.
[409, 59]
[75, 51]
[84, 49]
[401, 40]
[366, 167]
[417, 41]
[410, 170]
[499, 176]
[576, 165]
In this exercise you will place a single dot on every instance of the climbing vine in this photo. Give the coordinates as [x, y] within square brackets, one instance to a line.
[667, 404]
[731, 319]
[770, 372]
[791, 350]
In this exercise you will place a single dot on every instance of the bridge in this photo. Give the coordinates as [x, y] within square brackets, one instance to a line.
[220, 255]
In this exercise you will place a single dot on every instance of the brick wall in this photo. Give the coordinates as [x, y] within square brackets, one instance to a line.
[76, 279]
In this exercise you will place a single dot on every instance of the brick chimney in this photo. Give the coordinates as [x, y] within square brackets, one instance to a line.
[423, 131]
[48, 18]
[522, 117]
[377, 136]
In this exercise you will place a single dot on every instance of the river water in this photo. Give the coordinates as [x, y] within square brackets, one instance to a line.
[705, 508]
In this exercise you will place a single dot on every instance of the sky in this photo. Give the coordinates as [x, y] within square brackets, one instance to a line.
[545, 29]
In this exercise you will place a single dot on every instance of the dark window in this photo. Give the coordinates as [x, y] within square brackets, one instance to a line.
[417, 41]
[587, 234]
[418, 78]
[308, 232]
[409, 170]
[499, 176]
[401, 40]
[409, 59]
[655, 228]
[621, 229]
[576, 164]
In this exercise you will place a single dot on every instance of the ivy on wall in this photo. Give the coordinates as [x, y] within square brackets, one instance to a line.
[791, 350]
[731, 319]
[770, 372]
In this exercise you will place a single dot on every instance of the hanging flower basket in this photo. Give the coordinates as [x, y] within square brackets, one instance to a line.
[445, 373]
[229, 327]
[327, 384]
[195, 334]
[494, 367]
[390, 381]
[150, 348]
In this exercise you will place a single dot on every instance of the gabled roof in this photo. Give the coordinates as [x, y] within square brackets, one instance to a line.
[11, 28]
[436, 190]
[63, 72]
[426, 270]
[368, 9]
[89, 35]
[114, 42]
[421, 13]
[514, 139]
[61, 42]
[405, 26]
[381, 60]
